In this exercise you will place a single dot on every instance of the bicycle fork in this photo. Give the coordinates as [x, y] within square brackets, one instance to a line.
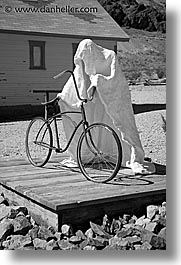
[89, 141]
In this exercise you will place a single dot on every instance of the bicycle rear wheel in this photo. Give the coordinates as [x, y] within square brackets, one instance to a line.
[99, 153]
[38, 141]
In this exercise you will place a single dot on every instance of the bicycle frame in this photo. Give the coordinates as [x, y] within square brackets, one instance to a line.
[103, 165]
[53, 119]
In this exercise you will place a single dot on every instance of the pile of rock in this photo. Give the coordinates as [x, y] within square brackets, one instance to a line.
[19, 231]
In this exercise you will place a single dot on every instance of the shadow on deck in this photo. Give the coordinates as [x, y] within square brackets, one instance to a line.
[56, 195]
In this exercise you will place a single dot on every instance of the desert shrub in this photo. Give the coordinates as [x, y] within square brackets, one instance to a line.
[161, 72]
[163, 123]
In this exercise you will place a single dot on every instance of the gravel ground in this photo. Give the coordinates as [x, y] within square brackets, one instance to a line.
[149, 124]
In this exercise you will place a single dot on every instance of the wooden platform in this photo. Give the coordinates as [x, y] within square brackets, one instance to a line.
[56, 195]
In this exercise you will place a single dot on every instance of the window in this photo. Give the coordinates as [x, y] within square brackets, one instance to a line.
[37, 54]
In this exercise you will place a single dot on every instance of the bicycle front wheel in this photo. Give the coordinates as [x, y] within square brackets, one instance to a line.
[99, 153]
[38, 141]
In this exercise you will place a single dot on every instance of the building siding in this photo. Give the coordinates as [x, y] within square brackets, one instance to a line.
[17, 81]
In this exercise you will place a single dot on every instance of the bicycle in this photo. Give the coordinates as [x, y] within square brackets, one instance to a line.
[100, 166]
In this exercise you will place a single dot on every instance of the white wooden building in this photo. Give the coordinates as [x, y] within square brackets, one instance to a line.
[35, 46]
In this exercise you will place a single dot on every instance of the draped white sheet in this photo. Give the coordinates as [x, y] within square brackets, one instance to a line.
[97, 66]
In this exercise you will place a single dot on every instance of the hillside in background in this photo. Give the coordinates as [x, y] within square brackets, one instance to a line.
[144, 57]
[148, 15]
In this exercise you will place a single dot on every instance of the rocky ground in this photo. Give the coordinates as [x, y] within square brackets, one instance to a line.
[18, 231]
[149, 121]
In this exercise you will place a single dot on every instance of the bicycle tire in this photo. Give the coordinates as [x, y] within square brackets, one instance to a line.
[89, 154]
[38, 135]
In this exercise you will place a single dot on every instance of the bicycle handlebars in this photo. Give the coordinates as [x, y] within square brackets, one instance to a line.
[51, 102]
[62, 73]
[76, 88]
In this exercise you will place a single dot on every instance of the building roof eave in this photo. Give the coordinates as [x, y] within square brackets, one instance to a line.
[48, 34]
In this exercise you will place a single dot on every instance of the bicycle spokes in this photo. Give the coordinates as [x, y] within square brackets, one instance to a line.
[38, 142]
[99, 153]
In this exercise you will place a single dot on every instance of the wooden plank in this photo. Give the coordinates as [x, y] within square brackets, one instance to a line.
[51, 179]
[77, 188]
[92, 197]
[47, 179]
[109, 186]
[62, 182]
[67, 184]
[29, 170]
[70, 198]
[73, 203]
[69, 195]
[24, 161]
[135, 204]
[14, 162]
[40, 177]
[103, 190]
